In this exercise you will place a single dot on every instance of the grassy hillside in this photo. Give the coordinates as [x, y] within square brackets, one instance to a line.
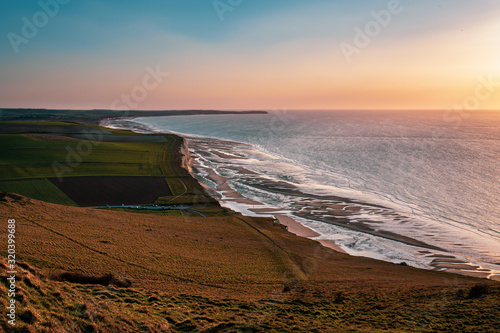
[129, 272]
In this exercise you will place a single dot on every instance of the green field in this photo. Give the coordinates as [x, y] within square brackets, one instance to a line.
[56, 150]
[26, 158]
[40, 189]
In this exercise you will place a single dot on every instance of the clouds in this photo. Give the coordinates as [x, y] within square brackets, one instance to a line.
[265, 54]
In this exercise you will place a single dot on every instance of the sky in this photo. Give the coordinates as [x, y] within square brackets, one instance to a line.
[250, 54]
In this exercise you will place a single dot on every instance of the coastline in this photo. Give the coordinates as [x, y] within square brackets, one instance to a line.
[181, 270]
[218, 186]
[303, 231]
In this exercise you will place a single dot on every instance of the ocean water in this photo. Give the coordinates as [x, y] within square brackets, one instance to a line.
[406, 173]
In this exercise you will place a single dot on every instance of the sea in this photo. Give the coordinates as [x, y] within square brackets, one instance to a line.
[412, 187]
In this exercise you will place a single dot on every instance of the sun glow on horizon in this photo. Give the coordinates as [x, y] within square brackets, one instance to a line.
[260, 57]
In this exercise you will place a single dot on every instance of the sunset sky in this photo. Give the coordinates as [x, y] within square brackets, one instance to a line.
[250, 54]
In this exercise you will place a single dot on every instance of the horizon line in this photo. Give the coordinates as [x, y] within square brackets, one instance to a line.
[242, 110]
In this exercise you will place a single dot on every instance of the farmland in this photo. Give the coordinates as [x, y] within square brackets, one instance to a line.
[41, 189]
[83, 165]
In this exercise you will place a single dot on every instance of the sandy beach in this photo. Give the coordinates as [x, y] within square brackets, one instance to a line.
[301, 230]
[347, 213]
[295, 227]
[233, 196]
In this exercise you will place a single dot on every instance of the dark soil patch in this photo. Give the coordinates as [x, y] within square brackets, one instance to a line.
[113, 191]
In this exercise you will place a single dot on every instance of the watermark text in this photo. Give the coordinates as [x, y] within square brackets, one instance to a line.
[11, 271]
[30, 27]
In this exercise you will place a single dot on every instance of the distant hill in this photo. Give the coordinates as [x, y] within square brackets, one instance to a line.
[93, 116]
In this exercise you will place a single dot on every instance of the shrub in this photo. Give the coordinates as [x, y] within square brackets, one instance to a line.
[479, 290]
[103, 280]
[460, 294]
[121, 283]
[339, 297]
[28, 316]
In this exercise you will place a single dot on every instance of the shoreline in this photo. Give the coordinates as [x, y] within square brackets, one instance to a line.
[232, 199]
[303, 231]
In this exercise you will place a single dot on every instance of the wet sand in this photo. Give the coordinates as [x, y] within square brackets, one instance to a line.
[303, 231]
[295, 227]
[230, 195]
[348, 213]
[331, 244]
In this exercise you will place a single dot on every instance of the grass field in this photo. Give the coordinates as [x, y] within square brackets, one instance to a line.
[40, 189]
[67, 150]
[22, 157]
[218, 274]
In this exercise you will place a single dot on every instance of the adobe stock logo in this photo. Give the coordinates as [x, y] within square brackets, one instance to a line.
[140, 92]
[30, 28]
[486, 88]
[373, 28]
[221, 7]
